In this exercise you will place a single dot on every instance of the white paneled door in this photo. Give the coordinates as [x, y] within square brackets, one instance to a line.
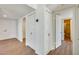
[58, 31]
[31, 30]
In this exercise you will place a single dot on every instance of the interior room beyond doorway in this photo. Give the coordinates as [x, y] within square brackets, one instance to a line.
[67, 29]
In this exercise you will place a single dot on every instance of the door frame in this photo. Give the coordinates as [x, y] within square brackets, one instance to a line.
[24, 32]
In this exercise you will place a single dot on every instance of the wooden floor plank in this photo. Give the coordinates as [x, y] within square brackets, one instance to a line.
[14, 47]
[64, 49]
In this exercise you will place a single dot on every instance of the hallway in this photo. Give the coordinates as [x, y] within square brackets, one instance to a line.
[64, 49]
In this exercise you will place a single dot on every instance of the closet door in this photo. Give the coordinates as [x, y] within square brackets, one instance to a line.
[31, 30]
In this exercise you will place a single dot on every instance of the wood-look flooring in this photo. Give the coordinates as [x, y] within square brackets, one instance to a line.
[64, 49]
[14, 47]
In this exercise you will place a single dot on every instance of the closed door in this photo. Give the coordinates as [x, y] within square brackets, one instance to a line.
[31, 30]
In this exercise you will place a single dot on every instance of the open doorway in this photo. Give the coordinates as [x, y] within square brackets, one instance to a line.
[24, 32]
[67, 30]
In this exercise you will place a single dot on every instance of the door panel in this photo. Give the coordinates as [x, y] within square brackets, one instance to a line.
[58, 31]
[31, 30]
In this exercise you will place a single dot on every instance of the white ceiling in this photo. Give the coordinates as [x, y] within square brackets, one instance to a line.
[14, 10]
[54, 7]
